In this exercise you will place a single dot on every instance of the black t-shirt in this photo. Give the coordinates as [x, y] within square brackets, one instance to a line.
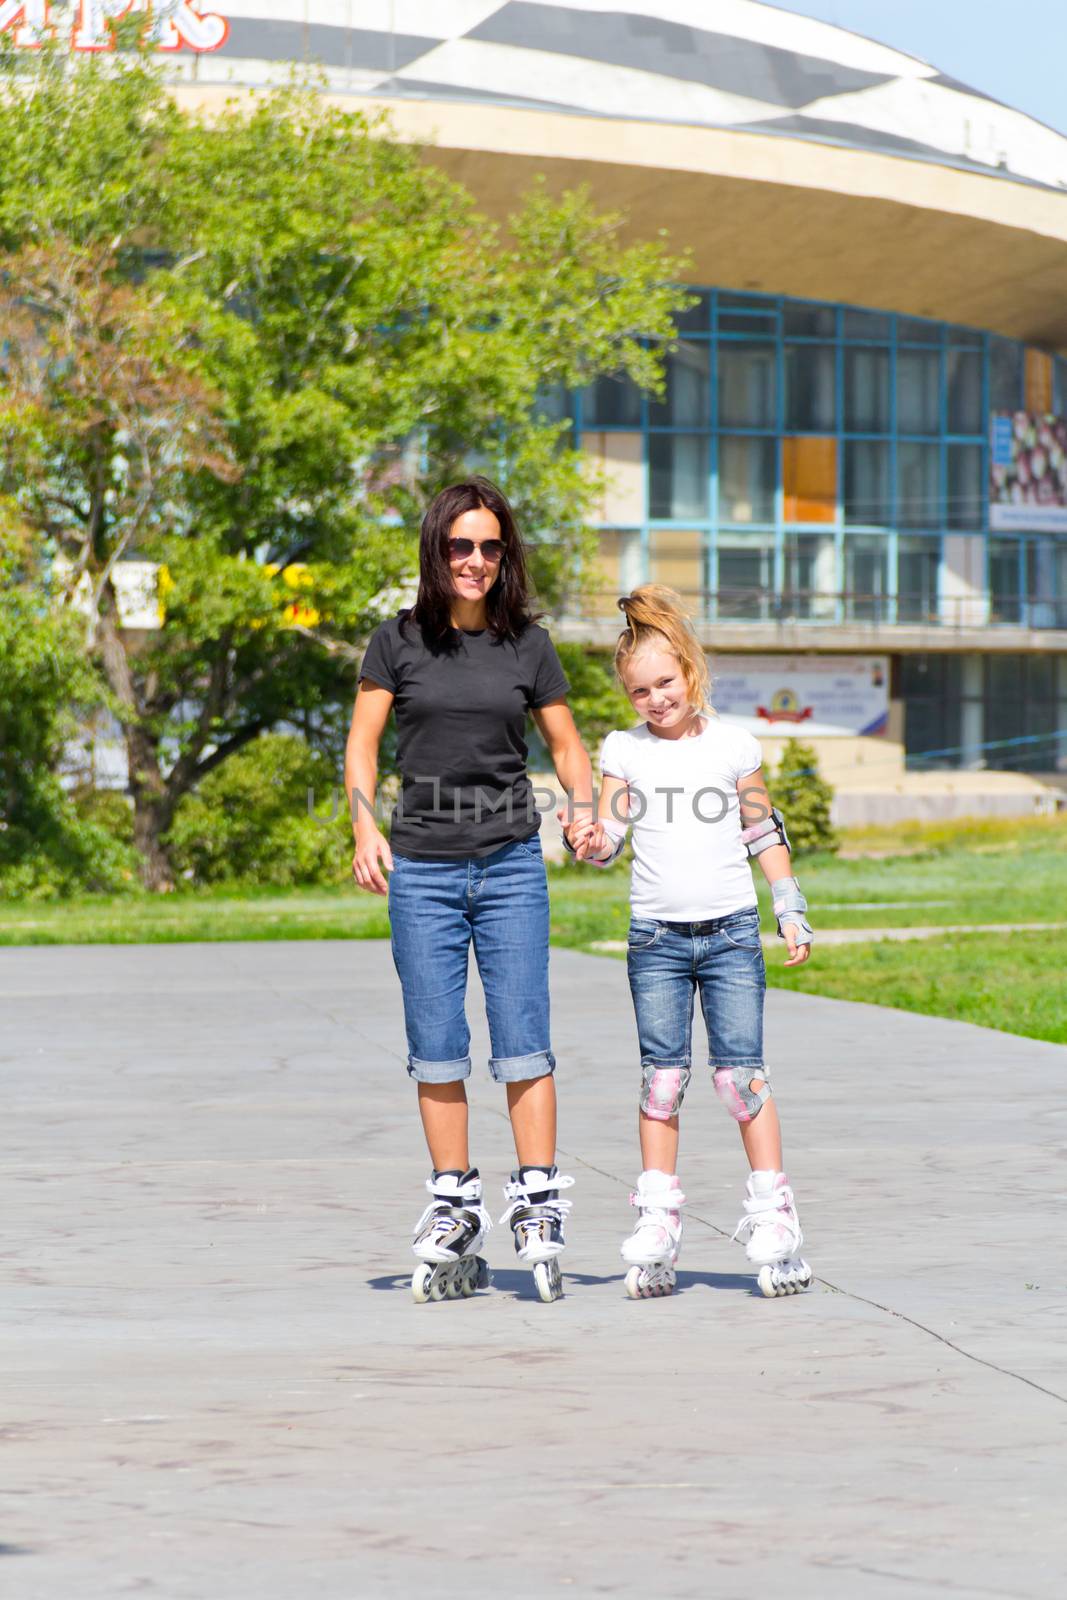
[461, 726]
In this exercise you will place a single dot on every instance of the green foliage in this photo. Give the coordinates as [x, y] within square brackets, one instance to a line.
[248, 822]
[350, 333]
[46, 848]
[804, 799]
[596, 700]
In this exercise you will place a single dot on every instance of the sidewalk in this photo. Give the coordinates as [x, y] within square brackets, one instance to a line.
[218, 1387]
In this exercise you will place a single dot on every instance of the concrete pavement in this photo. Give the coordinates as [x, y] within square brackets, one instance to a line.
[216, 1385]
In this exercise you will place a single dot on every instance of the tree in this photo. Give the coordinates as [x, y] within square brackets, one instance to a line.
[44, 846]
[804, 799]
[360, 337]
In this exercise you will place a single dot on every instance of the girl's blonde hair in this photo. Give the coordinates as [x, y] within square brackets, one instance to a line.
[656, 619]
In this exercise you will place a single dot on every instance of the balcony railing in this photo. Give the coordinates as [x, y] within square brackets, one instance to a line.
[959, 613]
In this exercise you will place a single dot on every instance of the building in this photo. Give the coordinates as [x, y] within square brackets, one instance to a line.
[858, 475]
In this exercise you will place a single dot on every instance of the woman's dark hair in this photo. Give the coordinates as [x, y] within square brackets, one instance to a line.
[507, 603]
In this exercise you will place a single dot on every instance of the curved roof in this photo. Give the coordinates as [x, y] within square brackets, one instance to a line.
[739, 64]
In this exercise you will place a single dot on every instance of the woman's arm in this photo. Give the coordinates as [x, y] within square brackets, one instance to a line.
[572, 769]
[369, 716]
[776, 863]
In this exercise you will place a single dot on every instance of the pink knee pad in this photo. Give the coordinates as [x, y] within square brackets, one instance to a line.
[733, 1085]
[663, 1091]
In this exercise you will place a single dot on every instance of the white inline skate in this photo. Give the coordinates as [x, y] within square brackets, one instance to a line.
[537, 1215]
[652, 1248]
[771, 1229]
[448, 1237]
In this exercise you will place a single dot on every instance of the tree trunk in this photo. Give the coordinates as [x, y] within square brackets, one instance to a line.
[156, 872]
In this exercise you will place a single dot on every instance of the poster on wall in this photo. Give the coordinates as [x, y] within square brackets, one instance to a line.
[803, 696]
[1028, 476]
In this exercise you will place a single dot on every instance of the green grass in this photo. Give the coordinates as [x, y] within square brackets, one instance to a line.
[913, 875]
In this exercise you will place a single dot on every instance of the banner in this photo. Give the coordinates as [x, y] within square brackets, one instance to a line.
[1028, 478]
[803, 696]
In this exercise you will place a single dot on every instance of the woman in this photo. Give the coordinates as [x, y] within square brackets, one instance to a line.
[460, 672]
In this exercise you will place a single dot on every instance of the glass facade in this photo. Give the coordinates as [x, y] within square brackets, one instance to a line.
[810, 461]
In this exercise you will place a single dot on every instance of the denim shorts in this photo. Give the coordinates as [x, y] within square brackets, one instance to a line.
[723, 960]
[436, 910]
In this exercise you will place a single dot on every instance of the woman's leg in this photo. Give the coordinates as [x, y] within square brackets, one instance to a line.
[443, 1108]
[509, 916]
[431, 938]
[532, 1108]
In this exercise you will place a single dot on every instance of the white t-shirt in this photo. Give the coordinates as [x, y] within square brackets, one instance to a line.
[689, 863]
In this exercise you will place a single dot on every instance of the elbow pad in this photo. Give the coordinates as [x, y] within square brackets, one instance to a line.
[766, 834]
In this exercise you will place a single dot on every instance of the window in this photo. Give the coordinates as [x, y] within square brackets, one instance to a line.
[866, 325]
[611, 402]
[1004, 580]
[965, 507]
[867, 391]
[698, 318]
[868, 491]
[918, 391]
[932, 690]
[913, 330]
[748, 474]
[918, 560]
[1046, 583]
[809, 322]
[686, 402]
[746, 313]
[809, 478]
[676, 558]
[747, 386]
[963, 373]
[1005, 375]
[866, 577]
[746, 575]
[810, 575]
[918, 485]
[678, 475]
[618, 570]
[622, 458]
[810, 388]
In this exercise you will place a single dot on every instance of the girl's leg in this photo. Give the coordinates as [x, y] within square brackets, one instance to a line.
[659, 1143]
[443, 1108]
[762, 1137]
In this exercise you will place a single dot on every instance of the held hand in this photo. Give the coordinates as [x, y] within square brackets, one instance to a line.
[798, 953]
[365, 868]
[577, 832]
[597, 845]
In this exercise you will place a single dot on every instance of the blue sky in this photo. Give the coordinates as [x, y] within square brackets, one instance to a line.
[1014, 50]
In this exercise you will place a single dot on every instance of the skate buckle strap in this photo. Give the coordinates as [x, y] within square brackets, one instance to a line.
[465, 1197]
[669, 1200]
[522, 1195]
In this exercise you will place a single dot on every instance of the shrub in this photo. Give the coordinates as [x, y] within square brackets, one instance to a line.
[804, 799]
[248, 821]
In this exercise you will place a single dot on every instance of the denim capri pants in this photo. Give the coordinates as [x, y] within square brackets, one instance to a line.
[436, 910]
[722, 960]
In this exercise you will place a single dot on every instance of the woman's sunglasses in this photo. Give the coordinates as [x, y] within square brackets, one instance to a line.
[462, 549]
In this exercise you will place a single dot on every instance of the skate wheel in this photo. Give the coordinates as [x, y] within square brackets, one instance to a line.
[438, 1287]
[633, 1283]
[549, 1281]
[453, 1285]
[420, 1283]
[767, 1282]
[468, 1281]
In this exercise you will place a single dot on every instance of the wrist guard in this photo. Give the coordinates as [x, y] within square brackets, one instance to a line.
[791, 906]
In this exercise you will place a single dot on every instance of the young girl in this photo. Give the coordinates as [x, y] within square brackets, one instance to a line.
[692, 789]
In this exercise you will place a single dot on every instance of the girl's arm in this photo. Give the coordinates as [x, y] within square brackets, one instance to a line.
[613, 820]
[369, 716]
[775, 863]
[572, 769]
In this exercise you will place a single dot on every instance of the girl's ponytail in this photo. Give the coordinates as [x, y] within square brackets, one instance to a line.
[656, 619]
